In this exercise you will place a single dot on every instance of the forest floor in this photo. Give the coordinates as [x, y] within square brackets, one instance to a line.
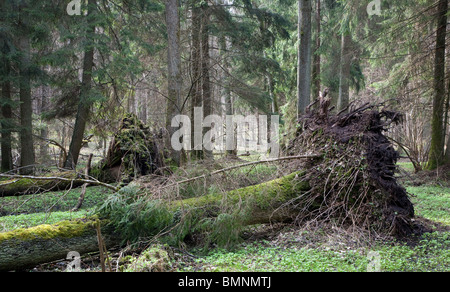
[280, 247]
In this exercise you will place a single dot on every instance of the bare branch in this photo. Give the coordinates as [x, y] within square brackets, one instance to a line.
[242, 165]
[62, 179]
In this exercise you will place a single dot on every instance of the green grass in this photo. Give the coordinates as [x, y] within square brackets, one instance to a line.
[47, 208]
[8, 223]
[431, 202]
[407, 166]
[431, 254]
[257, 257]
[51, 201]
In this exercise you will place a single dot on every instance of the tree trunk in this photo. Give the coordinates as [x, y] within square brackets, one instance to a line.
[6, 102]
[226, 93]
[344, 71]
[174, 69]
[304, 56]
[143, 104]
[436, 156]
[316, 63]
[27, 159]
[87, 170]
[266, 200]
[6, 122]
[205, 63]
[25, 186]
[84, 102]
[25, 248]
[43, 146]
[447, 109]
[447, 153]
[196, 91]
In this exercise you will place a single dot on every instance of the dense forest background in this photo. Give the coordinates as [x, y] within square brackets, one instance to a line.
[67, 80]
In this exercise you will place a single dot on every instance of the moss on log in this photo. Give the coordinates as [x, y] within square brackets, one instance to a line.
[24, 186]
[26, 248]
[264, 202]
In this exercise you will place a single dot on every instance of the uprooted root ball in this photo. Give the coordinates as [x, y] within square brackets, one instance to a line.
[353, 181]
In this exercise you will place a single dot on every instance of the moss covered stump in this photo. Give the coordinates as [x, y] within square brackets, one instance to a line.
[134, 151]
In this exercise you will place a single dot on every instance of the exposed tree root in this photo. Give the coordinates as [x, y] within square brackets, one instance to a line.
[355, 178]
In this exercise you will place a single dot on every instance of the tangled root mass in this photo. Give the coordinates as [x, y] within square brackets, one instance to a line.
[353, 182]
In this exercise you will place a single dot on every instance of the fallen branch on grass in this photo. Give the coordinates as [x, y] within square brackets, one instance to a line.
[19, 185]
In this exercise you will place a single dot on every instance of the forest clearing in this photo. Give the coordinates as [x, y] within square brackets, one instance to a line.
[224, 136]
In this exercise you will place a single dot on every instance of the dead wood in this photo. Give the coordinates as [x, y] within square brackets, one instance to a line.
[355, 178]
[18, 185]
[134, 151]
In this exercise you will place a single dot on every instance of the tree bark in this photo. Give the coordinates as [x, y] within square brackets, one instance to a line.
[304, 56]
[205, 63]
[43, 146]
[447, 153]
[436, 156]
[316, 63]
[84, 186]
[27, 248]
[27, 158]
[196, 91]
[84, 102]
[344, 71]
[226, 93]
[6, 102]
[6, 122]
[174, 69]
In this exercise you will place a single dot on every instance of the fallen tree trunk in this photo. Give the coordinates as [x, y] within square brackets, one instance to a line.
[265, 203]
[25, 248]
[19, 185]
[16, 185]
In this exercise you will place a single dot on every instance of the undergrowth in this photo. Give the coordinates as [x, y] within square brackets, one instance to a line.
[218, 244]
[137, 218]
[432, 253]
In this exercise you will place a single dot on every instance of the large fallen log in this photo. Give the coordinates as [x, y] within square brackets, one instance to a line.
[266, 203]
[25, 248]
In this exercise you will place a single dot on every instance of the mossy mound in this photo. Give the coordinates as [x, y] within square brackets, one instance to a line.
[133, 152]
[156, 258]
